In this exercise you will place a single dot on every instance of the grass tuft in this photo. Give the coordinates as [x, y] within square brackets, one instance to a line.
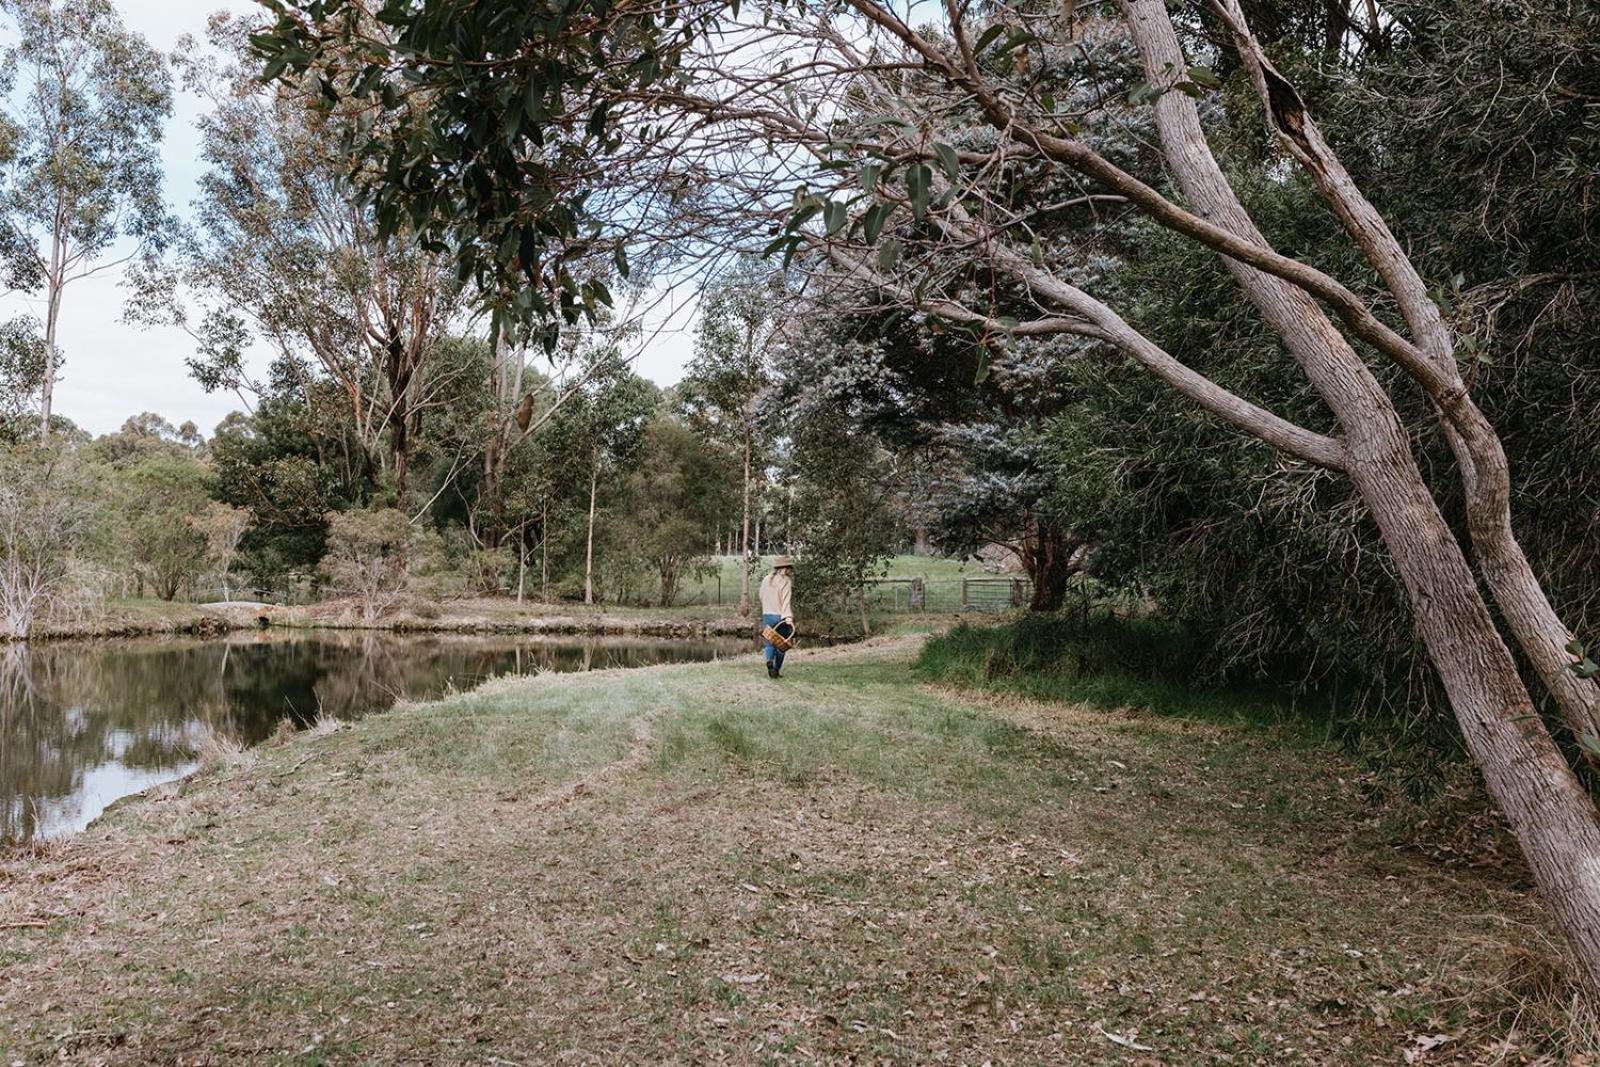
[217, 750]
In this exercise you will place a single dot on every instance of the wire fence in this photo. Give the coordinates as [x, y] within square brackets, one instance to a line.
[989, 593]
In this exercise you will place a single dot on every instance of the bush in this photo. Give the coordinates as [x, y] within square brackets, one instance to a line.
[367, 557]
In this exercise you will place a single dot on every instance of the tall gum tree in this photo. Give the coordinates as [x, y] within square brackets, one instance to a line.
[280, 254]
[80, 184]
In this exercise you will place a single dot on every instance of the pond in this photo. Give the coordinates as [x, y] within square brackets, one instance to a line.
[84, 723]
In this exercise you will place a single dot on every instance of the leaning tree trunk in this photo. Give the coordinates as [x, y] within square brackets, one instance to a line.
[1550, 812]
[1480, 455]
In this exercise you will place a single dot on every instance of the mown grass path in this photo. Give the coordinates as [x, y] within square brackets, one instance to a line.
[693, 864]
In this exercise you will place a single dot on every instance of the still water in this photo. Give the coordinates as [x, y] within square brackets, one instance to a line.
[82, 724]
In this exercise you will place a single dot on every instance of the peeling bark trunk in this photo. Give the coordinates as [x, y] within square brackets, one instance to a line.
[1553, 817]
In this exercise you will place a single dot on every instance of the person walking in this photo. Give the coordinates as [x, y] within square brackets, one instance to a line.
[777, 616]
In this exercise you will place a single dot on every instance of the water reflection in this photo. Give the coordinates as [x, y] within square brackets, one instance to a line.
[82, 724]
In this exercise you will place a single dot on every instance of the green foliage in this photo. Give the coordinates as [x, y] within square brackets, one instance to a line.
[163, 492]
[1275, 570]
[480, 121]
[82, 162]
[280, 466]
[673, 498]
[844, 521]
[80, 166]
[22, 369]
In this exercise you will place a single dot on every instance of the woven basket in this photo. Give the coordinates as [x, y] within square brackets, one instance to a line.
[780, 637]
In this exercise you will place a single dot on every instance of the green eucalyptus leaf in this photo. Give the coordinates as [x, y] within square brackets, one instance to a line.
[834, 216]
[919, 183]
[889, 254]
[873, 222]
[988, 37]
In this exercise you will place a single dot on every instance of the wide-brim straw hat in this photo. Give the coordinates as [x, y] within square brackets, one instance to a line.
[781, 561]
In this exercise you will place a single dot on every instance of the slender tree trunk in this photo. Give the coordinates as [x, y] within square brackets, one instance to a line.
[861, 585]
[52, 316]
[588, 551]
[522, 562]
[544, 552]
[1551, 814]
[744, 558]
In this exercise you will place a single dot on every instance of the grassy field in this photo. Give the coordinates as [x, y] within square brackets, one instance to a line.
[694, 864]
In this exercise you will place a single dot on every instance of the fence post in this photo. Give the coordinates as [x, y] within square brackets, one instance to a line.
[1016, 592]
[919, 595]
[965, 603]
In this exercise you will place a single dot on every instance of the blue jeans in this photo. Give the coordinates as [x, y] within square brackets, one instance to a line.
[774, 657]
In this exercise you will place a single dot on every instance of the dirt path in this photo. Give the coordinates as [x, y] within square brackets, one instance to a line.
[694, 865]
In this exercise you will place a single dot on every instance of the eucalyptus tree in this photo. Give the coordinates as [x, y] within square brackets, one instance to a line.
[673, 497]
[972, 426]
[731, 369]
[282, 253]
[85, 101]
[489, 130]
[844, 519]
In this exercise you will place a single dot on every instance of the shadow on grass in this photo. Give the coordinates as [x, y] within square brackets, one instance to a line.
[1109, 663]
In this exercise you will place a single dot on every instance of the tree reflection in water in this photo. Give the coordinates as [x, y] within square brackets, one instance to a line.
[82, 724]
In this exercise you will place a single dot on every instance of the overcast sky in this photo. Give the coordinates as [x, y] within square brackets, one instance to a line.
[113, 370]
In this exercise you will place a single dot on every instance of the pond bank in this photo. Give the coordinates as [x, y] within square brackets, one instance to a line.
[694, 863]
[483, 615]
[505, 616]
[139, 618]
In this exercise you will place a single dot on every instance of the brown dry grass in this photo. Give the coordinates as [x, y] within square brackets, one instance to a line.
[694, 865]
